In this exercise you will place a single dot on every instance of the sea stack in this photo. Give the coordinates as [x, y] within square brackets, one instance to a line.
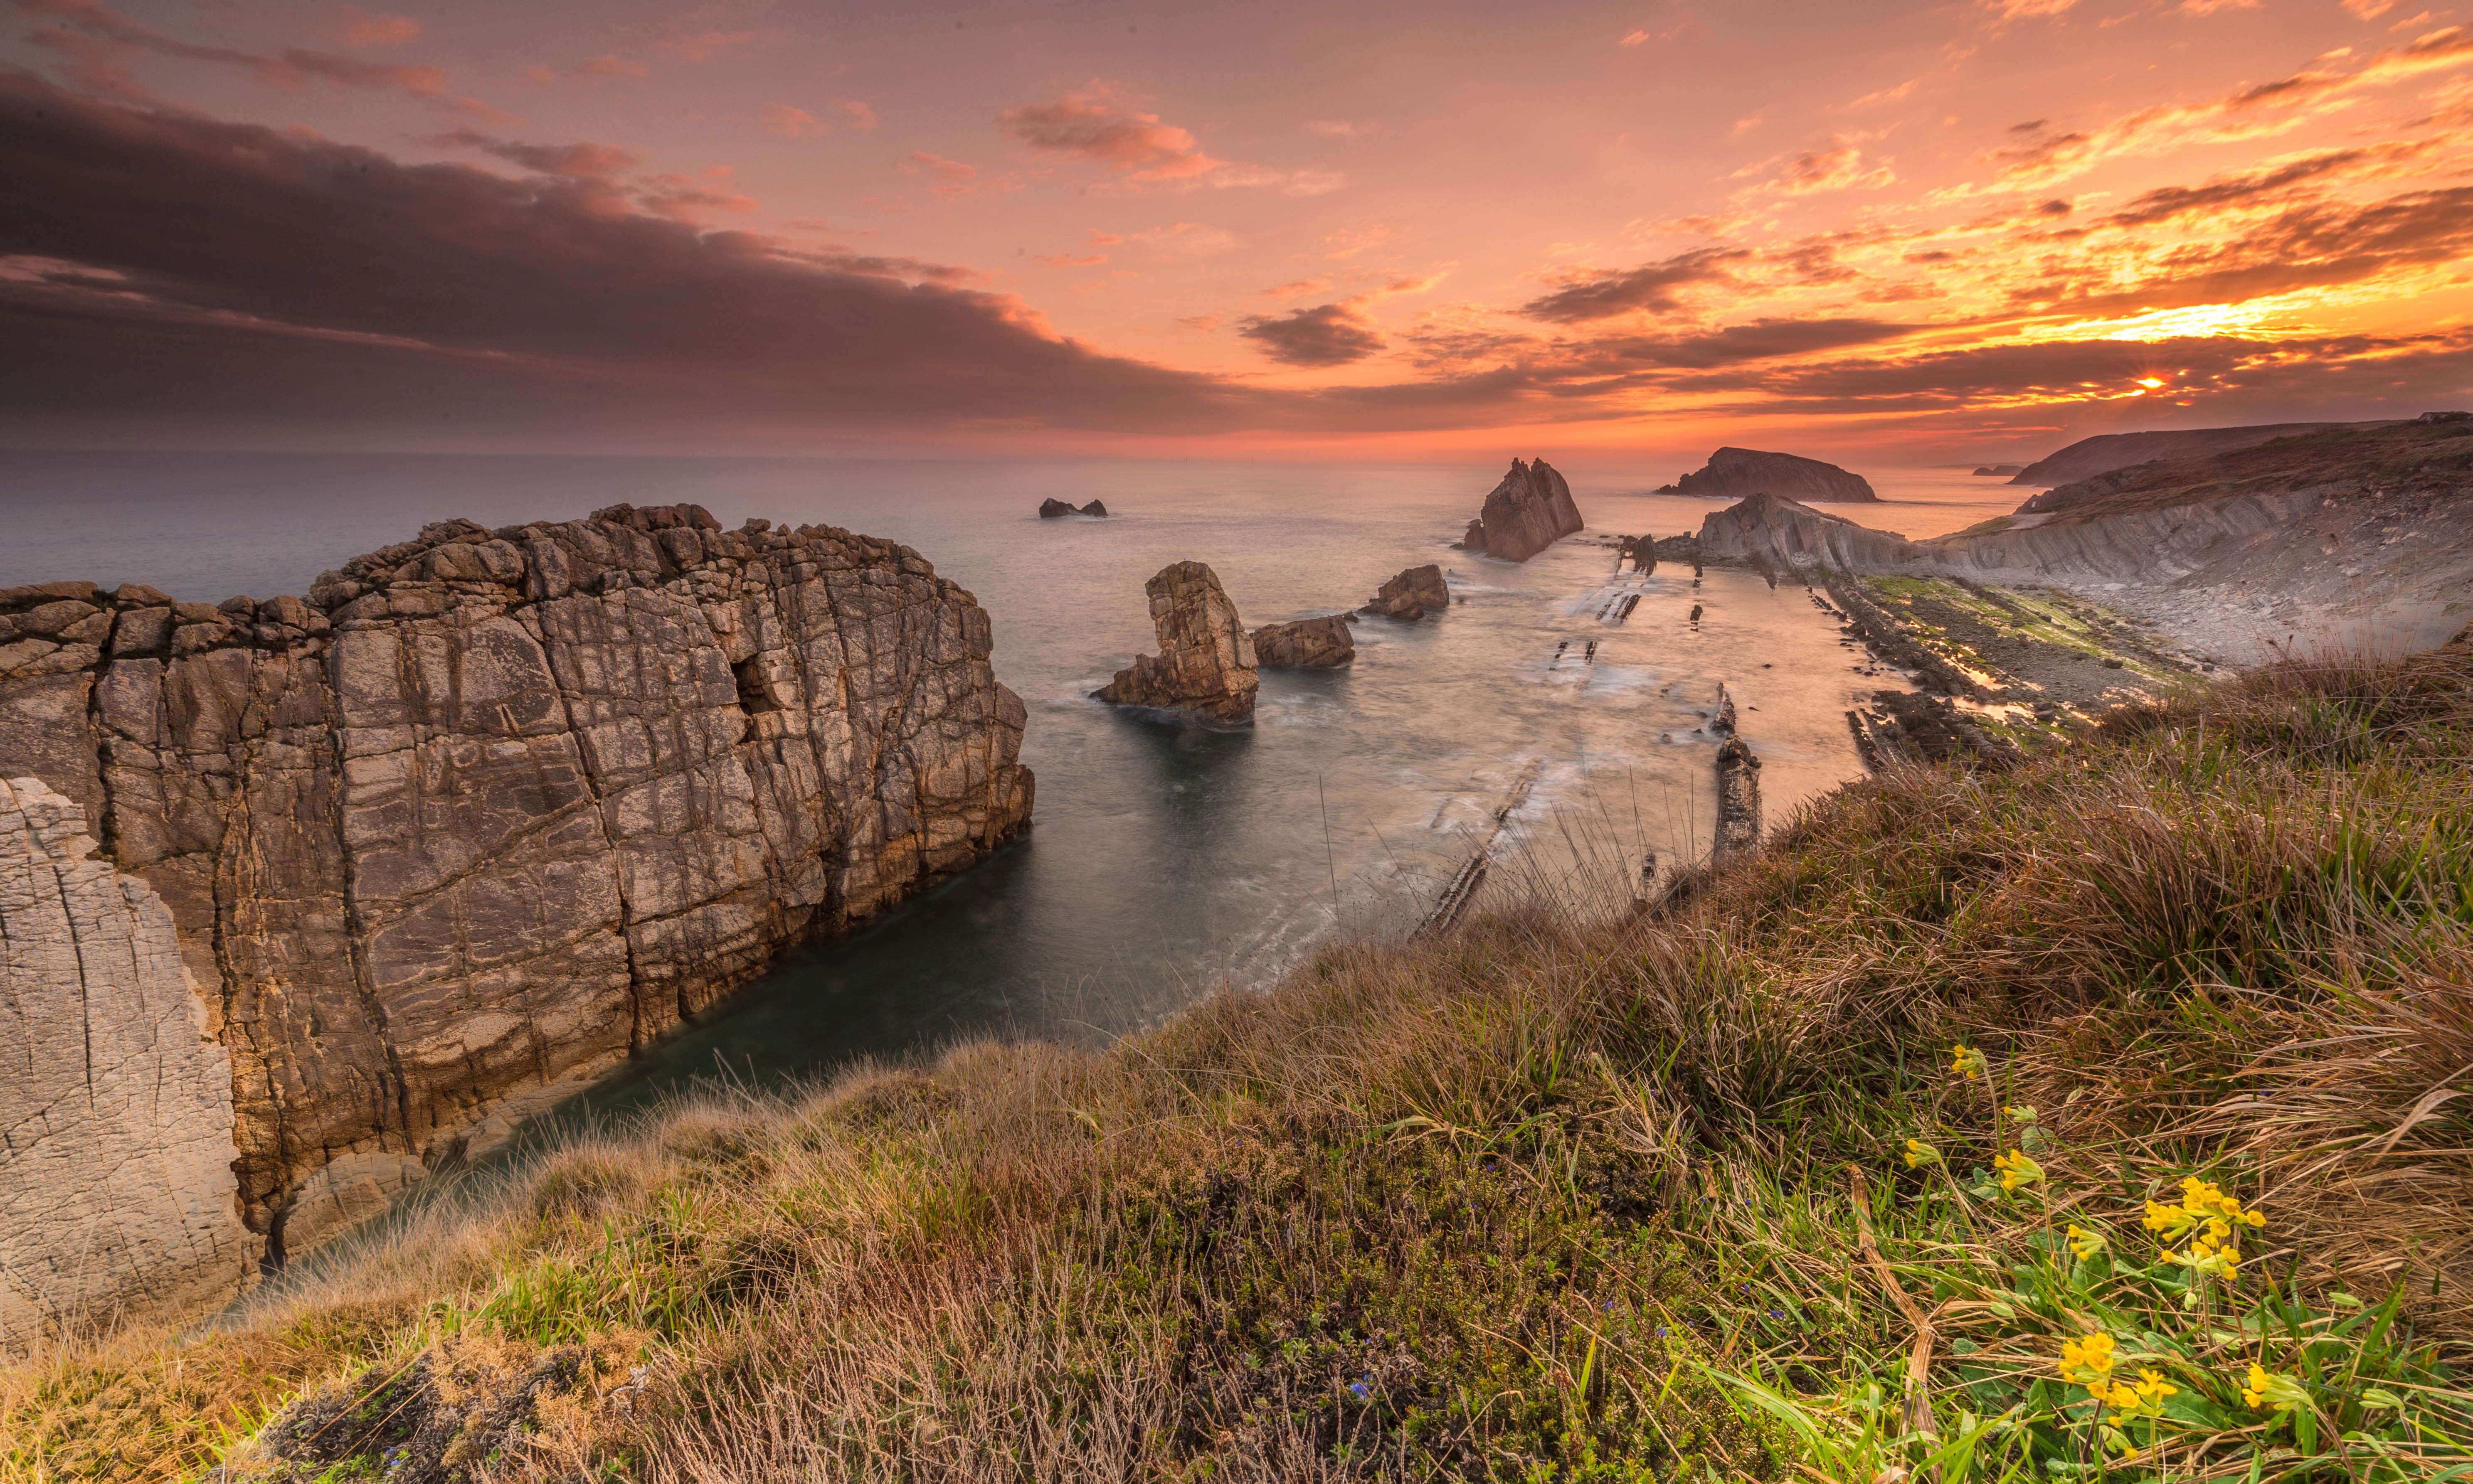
[1733, 473]
[1306, 644]
[1411, 595]
[1529, 511]
[1057, 510]
[328, 894]
[1206, 662]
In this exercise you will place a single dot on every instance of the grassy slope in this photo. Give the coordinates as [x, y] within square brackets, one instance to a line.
[2408, 455]
[1517, 1205]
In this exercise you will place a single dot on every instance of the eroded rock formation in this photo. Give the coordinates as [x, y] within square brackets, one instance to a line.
[1733, 473]
[1529, 511]
[1308, 643]
[1054, 510]
[1206, 664]
[116, 1189]
[491, 809]
[1411, 595]
[1739, 797]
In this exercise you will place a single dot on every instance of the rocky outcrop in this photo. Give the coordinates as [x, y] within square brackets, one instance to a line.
[1733, 473]
[1055, 510]
[1739, 798]
[1206, 664]
[2108, 452]
[1096, 510]
[1308, 643]
[493, 808]
[1998, 471]
[1779, 535]
[116, 1188]
[1411, 595]
[1529, 511]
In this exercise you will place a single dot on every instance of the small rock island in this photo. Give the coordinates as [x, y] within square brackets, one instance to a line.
[1308, 644]
[1206, 662]
[1735, 473]
[1529, 511]
[1411, 595]
[1056, 510]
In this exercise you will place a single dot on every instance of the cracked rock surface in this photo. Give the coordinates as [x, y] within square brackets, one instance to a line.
[492, 808]
[1206, 664]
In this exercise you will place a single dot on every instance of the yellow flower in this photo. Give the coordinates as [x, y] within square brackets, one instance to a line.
[2154, 1387]
[2085, 1243]
[2021, 1114]
[2016, 1170]
[1920, 1153]
[1968, 1062]
[2267, 1389]
[2087, 1360]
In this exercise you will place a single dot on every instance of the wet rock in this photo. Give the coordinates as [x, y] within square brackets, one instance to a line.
[1411, 595]
[1308, 643]
[1529, 511]
[443, 847]
[1739, 798]
[1206, 664]
[1733, 473]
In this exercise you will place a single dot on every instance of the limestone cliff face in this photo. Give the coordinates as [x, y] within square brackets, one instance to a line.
[1733, 473]
[1529, 511]
[491, 809]
[1206, 664]
[116, 1191]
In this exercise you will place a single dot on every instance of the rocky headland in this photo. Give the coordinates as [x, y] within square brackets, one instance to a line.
[304, 900]
[1306, 644]
[1529, 511]
[1411, 595]
[1735, 473]
[2108, 452]
[1206, 664]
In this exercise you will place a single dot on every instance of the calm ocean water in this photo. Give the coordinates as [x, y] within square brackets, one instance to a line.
[1165, 859]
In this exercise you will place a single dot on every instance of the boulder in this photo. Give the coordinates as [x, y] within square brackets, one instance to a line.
[1411, 595]
[1051, 510]
[1529, 511]
[1733, 473]
[484, 814]
[1206, 664]
[1096, 508]
[1308, 643]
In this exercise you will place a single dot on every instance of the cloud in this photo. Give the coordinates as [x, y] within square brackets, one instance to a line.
[1200, 321]
[859, 114]
[1335, 128]
[1350, 241]
[579, 161]
[704, 45]
[948, 178]
[791, 123]
[2369, 9]
[2020, 10]
[1299, 286]
[1840, 167]
[1071, 259]
[1325, 335]
[352, 26]
[609, 64]
[316, 283]
[1758, 340]
[1599, 294]
[1632, 39]
[1092, 125]
[90, 34]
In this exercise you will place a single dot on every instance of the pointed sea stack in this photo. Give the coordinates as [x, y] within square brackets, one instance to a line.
[1733, 473]
[1205, 664]
[1528, 512]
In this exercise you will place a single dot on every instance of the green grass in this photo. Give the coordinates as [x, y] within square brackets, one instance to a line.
[1547, 1199]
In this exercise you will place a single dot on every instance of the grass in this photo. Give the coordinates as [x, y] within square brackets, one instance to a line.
[1543, 1200]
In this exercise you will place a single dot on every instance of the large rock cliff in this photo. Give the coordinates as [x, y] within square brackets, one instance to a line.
[491, 810]
[1733, 473]
[1529, 511]
[1206, 664]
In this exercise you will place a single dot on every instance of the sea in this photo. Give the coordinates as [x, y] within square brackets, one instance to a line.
[1544, 712]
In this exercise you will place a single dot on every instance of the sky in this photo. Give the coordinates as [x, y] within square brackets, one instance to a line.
[1976, 229]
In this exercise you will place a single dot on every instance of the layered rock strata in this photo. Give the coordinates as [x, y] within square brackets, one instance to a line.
[1529, 511]
[491, 810]
[1206, 664]
[116, 1188]
[1411, 595]
[1733, 473]
[1308, 643]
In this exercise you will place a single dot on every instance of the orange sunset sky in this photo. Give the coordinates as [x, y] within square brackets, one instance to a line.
[1971, 231]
